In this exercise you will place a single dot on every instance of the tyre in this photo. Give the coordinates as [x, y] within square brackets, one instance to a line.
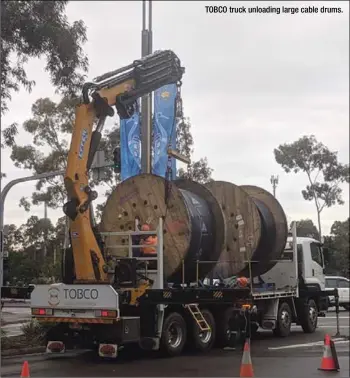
[254, 330]
[204, 340]
[174, 335]
[284, 320]
[226, 321]
[308, 317]
[346, 307]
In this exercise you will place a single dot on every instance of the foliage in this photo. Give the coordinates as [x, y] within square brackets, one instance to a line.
[337, 261]
[306, 228]
[50, 129]
[34, 252]
[33, 332]
[198, 170]
[321, 166]
[40, 29]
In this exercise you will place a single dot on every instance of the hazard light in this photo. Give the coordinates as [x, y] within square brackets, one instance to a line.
[105, 314]
[42, 311]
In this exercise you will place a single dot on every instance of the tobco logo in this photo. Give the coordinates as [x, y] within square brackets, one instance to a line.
[53, 296]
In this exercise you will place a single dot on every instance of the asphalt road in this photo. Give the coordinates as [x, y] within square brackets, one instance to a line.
[299, 354]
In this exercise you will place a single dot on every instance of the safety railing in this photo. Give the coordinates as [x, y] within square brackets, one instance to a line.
[159, 247]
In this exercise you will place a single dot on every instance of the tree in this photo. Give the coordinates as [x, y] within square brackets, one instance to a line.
[34, 252]
[321, 166]
[306, 228]
[40, 29]
[198, 170]
[337, 243]
[50, 129]
[12, 238]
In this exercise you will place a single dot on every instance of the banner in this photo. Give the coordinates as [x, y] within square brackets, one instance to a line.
[130, 146]
[164, 129]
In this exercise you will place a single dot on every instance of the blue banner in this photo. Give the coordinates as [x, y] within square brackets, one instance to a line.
[130, 146]
[164, 129]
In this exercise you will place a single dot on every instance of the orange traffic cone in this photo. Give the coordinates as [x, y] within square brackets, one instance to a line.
[25, 370]
[329, 360]
[246, 364]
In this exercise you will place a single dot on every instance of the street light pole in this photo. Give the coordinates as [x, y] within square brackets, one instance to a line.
[274, 182]
[146, 101]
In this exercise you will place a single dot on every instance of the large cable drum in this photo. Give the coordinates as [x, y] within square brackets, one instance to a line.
[274, 230]
[242, 226]
[190, 221]
[256, 229]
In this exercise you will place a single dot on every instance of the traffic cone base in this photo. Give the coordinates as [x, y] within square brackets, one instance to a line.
[25, 370]
[328, 362]
[246, 364]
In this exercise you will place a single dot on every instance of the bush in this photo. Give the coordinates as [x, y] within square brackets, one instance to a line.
[33, 333]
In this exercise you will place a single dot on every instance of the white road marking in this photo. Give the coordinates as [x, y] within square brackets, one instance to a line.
[315, 343]
[332, 326]
[16, 325]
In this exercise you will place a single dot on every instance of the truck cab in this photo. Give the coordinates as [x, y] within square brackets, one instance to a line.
[311, 263]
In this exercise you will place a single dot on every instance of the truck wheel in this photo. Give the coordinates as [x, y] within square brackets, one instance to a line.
[308, 319]
[223, 331]
[204, 340]
[346, 307]
[174, 334]
[284, 320]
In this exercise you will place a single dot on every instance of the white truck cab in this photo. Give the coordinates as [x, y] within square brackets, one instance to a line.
[311, 263]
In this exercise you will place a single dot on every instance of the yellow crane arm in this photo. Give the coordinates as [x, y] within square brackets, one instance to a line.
[120, 88]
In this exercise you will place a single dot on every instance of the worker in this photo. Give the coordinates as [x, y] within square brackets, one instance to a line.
[148, 242]
[242, 281]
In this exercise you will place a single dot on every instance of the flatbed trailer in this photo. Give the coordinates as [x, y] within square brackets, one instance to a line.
[163, 316]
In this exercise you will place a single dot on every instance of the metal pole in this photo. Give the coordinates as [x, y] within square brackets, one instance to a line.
[2, 202]
[337, 313]
[146, 101]
[274, 182]
[45, 241]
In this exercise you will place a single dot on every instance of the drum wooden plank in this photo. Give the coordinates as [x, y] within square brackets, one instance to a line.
[242, 224]
[143, 196]
[280, 220]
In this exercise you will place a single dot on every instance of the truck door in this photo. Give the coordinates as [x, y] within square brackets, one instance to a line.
[317, 264]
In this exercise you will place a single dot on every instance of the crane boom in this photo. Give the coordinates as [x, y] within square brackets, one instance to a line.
[120, 88]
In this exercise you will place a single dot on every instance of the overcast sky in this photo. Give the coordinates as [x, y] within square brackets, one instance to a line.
[252, 82]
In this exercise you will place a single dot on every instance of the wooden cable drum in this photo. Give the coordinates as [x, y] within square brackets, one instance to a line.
[274, 229]
[242, 226]
[143, 197]
[209, 239]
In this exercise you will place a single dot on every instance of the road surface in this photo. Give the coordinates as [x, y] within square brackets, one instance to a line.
[271, 357]
[12, 319]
